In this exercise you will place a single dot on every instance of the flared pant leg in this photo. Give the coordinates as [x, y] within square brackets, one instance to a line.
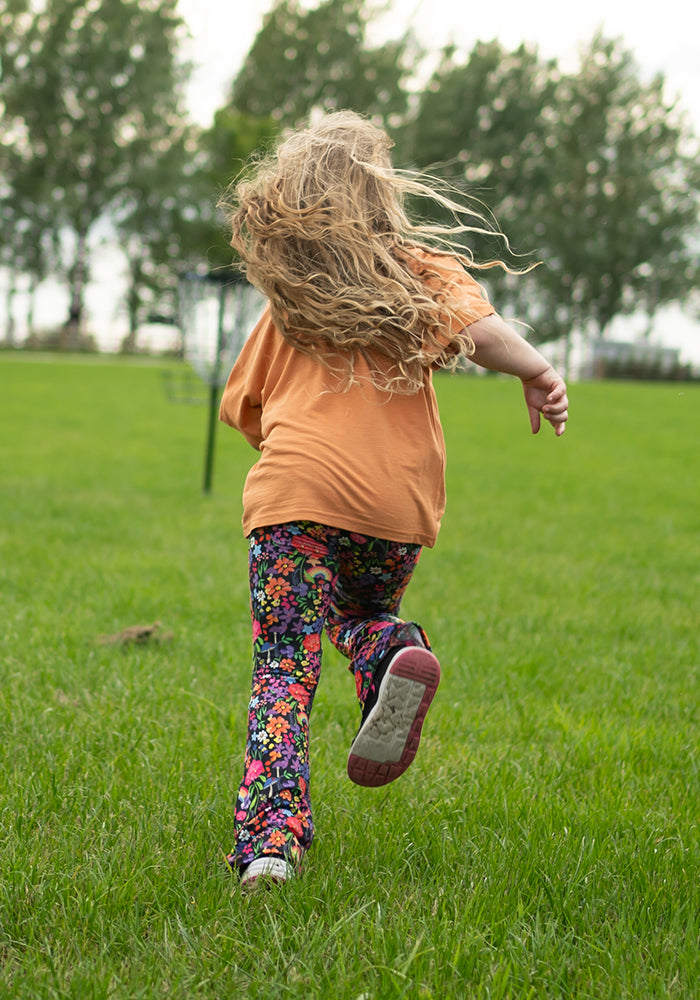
[363, 621]
[304, 576]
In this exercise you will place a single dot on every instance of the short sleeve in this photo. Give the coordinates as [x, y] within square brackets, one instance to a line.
[467, 297]
[241, 400]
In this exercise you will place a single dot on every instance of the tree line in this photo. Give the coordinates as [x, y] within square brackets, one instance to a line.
[592, 174]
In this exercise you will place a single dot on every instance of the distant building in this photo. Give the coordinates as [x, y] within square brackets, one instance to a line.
[636, 359]
[639, 359]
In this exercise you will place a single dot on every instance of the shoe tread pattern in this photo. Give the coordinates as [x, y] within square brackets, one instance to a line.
[388, 740]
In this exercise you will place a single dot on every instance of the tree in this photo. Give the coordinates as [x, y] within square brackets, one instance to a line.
[168, 222]
[622, 213]
[30, 238]
[95, 88]
[484, 126]
[232, 138]
[26, 231]
[593, 171]
[157, 219]
[319, 58]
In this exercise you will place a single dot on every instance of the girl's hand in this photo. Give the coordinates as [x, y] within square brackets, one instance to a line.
[546, 394]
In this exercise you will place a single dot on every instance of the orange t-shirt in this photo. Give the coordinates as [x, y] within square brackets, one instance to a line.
[361, 459]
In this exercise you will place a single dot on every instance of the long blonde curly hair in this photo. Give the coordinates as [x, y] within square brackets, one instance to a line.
[321, 229]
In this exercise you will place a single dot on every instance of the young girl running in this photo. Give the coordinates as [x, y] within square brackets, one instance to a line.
[334, 388]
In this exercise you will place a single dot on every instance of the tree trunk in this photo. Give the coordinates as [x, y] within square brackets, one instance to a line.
[31, 304]
[133, 303]
[10, 323]
[567, 355]
[77, 278]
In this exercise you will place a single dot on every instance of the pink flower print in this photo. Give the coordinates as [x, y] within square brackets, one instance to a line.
[255, 769]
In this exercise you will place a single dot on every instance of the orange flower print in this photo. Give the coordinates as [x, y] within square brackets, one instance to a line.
[284, 565]
[282, 707]
[277, 727]
[277, 839]
[276, 588]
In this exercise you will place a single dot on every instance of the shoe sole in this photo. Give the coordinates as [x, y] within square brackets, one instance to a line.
[266, 870]
[388, 740]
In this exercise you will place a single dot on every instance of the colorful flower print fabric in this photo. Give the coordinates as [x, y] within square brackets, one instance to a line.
[305, 577]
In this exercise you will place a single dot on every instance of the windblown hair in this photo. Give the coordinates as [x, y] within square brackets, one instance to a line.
[321, 229]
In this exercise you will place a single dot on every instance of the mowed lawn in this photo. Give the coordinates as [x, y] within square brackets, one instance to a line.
[544, 844]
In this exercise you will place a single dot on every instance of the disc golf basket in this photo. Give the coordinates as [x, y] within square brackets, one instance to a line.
[216, 312]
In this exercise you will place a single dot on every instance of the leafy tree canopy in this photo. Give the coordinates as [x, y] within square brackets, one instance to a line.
[94, 94]
[319, 57]
[592, 172]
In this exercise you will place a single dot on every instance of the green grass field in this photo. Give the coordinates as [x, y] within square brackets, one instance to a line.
[544, 844]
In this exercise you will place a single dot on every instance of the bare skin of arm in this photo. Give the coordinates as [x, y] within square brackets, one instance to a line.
[500, 348]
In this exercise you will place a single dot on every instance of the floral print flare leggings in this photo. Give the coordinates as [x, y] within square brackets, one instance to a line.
[304, 577]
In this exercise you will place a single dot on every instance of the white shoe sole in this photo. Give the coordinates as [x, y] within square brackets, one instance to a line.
[388, 739]
[274, 869]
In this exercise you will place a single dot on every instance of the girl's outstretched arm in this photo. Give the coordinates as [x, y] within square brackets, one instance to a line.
[500, 348]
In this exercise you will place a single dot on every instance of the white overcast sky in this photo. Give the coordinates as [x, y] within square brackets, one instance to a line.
[663, 37]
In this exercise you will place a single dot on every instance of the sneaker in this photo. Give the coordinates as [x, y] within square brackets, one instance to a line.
[270, 869]
[387, 741]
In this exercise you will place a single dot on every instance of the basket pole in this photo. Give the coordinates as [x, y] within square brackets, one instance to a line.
[214, 394]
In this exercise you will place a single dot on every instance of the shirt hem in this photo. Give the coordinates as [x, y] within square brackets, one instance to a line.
[374, 529]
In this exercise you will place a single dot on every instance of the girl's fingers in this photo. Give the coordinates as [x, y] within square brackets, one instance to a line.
[555, 411]
[558, 421]
[559, 392]
[556, 402]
